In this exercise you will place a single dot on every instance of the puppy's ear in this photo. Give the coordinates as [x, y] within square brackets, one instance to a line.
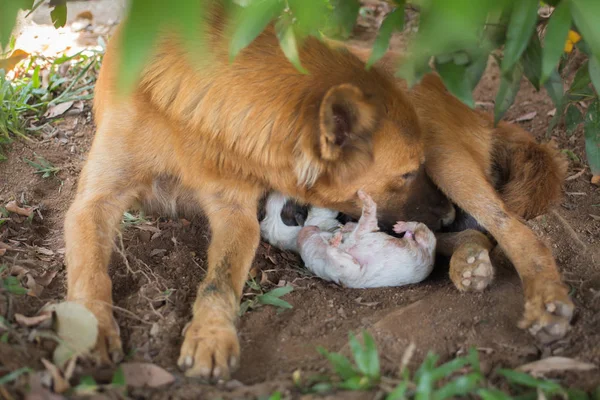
[347, 118]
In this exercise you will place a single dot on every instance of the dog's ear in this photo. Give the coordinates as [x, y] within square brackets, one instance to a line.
[347, 119]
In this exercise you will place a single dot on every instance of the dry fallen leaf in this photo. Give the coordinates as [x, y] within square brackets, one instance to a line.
[46, 278]
[551, 113]
[2, 252]
[60, 384]
[596, 180]
[145, 374]
[44, 251]
[18, 271]
[78, 329]
[9, 63]
[550, 364]
[35, 289]
[32, 321]
[12, 206]
[595, 217]
[526, 117]
[58, 109]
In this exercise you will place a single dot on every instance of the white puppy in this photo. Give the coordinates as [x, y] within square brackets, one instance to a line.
[356, 255]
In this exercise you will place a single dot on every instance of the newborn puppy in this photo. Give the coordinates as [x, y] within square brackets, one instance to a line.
[355, 255]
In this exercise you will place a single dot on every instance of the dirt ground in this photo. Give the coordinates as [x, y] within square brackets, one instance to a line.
[166, 262]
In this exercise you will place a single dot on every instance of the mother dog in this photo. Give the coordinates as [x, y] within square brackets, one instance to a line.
[229, 132]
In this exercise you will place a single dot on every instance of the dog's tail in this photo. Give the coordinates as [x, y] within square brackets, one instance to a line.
[528, 175]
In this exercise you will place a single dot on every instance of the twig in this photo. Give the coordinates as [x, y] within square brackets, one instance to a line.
[575, 176]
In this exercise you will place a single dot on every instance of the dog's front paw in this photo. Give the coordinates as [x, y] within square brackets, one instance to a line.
[471, 268]
[210, 349]
[548, 311]
[108, 348]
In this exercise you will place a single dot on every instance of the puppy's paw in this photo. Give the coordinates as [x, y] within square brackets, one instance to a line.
[548, 311]
[471, 268]
[210, 349]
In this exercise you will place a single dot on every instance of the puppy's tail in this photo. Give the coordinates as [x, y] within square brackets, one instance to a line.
[272, 227]
[529, 176]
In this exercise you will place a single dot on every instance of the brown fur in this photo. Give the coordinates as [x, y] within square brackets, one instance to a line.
[226, 133]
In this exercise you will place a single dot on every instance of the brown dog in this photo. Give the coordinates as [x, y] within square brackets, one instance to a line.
[225, 134]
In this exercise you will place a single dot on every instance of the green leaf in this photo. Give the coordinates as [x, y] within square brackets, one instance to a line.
[554, 41]
[428, 364]
[476, 69]
[309, 16]
[458, 387]
[532, 61]
[341, 18]
[509, 87]
[523, 379]
[275, 396]
[456, 81]
[594, 70]
[592, 136]
[251, 21]
[281, 291]
[393, 22]
[493, 394]
[118, 378]
[371, 356]
[288, 43]
[555, 88]
[35, 78]
[582, 78]
[59, 15]
[137, 40]
[577, 394]
[356, 383]
[585, 14]
[399, 393]
[14, 375]
[4, 337]
[8, 17]
[341, 365]
[447, 369]
[365, 357]
[573, 118]
[273, 301]
[520, 27]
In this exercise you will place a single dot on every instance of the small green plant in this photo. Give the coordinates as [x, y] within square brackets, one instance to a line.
[9, 283]
[363, 374]
[43, 166]
[10, 377]
[130, 219]
[261, 298]
[25, 97]
[458, 377]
